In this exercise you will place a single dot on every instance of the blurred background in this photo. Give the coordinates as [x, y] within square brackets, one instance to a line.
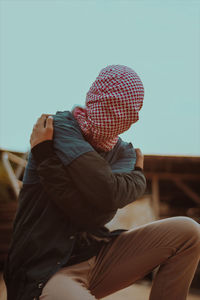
[50, 53]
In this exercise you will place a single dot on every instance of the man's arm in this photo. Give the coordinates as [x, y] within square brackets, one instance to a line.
[108, 190]
[95, 181]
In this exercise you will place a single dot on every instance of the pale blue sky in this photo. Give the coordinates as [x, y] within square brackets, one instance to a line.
[52, 51]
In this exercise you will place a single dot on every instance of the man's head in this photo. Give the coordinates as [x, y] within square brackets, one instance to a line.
[114, 99]
[112, 104]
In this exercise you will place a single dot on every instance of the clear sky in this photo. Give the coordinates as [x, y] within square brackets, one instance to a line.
[52, 51]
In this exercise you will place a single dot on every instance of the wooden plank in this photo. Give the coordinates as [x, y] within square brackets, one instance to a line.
[155, 196]
[18, 160]
[172, 176]
[11, 174]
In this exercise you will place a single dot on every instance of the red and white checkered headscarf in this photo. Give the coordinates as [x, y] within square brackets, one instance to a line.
[112, 105]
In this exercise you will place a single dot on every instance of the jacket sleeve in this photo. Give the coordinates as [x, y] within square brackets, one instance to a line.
[62, 191]
[93, 178]
[109, 191]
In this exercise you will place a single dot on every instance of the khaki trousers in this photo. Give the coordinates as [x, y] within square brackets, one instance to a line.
[171, 243]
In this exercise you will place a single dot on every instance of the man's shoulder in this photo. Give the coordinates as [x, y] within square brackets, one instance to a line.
[69, 142]
[64, 117]
[66, 126]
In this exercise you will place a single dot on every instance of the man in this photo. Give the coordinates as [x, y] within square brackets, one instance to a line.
[79, 173]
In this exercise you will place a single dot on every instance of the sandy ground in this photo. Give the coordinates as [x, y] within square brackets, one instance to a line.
[138, 291]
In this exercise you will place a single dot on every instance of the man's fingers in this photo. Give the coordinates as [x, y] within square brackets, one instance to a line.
[41, 120]
[49, 122]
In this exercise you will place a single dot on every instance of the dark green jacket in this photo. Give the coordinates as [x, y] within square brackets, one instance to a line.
[68, 188]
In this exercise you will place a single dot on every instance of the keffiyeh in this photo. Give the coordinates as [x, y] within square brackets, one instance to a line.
[112, 106]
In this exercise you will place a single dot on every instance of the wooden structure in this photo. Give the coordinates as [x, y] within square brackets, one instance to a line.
[174, 183]
[14, 174]
[11, 170]
[173, 189]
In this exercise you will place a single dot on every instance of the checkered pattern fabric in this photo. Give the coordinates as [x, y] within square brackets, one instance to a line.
[112, 105]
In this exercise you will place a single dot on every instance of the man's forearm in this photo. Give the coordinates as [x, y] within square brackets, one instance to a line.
[108, 190]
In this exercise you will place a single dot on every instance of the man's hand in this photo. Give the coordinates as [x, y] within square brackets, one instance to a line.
[42, 130]
[139, 159]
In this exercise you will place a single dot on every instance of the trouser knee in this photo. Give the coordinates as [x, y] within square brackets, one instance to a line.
[188, 229]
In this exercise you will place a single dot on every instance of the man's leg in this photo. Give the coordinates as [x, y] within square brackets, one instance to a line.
[172, 243]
